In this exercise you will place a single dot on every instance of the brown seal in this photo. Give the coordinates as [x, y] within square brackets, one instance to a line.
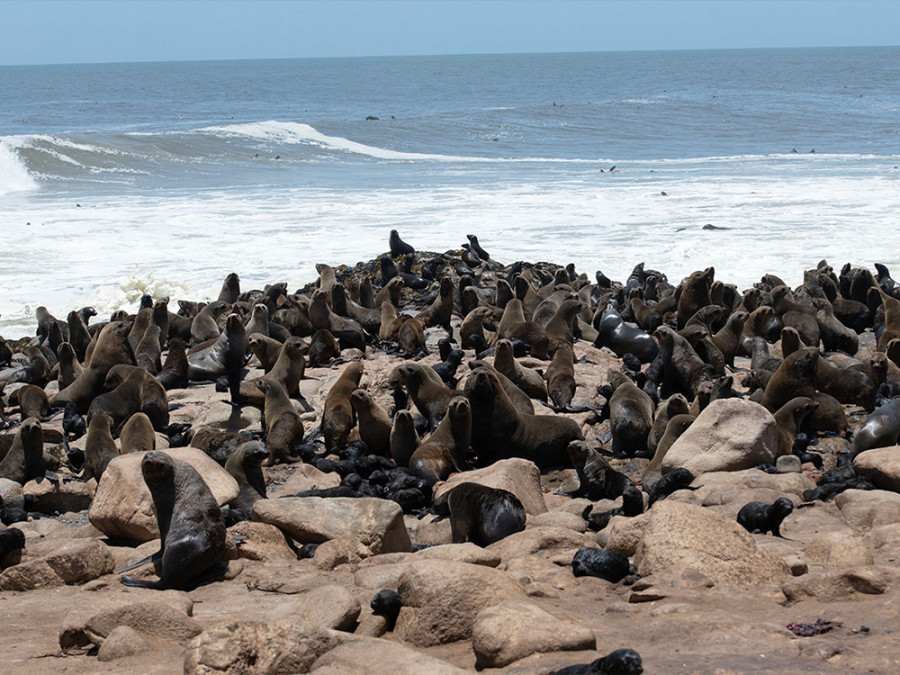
[560, 376]
[699, 338]
[411, 336]
[147, 355]
[32, 401]
[527, 379]
[445, 450]
[789, 418]
[265, 349]
[630, 416]
[519, 398]
[141, 322]
[109, 349]
[259, 320]
[763, 322]
[322, 348]
[347, 331]
[514, 325]
[390, 322]
[559, 328]
[473, 324]
[431, 398]
[835, 335]
[677, 425]
[441, 310]
[122, 402]
[174, 373]
[683, 369]
[596, 478]
[728, 339]
[192, 531]
[847, 385]
[338, 418]
[374, 422]
[152, 400]
[390, 293]
[796, 376]
[137, 434]
[67, 362]
[799, 316]
[666, 410]
[205, 325]
[404, 438]
[231, 289]
[99, 447]
[499, 431]
[891, 320]
[225, 356]
[245, 465]
[370, 319]
[880, 429]
[288, 370]
[694, 294]
[284, 428]
[24, 460]
[79, 335]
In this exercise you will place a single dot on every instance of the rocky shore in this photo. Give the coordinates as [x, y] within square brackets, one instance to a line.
[627, 423]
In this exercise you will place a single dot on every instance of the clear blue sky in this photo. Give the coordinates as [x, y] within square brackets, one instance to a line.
[89, 31]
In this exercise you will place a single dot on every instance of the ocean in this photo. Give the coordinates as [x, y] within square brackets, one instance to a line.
[120, 179]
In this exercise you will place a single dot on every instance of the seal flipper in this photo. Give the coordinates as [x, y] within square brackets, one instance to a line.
[149, 559]
[141, 583]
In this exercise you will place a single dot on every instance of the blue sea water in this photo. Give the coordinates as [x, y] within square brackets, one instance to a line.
[117, 179]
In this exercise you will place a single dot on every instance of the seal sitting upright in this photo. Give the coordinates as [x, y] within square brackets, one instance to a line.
[191, 527]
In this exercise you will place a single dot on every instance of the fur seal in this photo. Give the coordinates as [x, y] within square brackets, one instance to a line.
[881, 428]
[759, 517]
[630, 416]
[596, 478]
[110, 349]
[514, 325]
[445, 450]
[137, 434]
[789, 418]
[796, 376]
[68, 365]
[348, 332]
[245, 465]
[411, 336]
[404, 438]
[174, 373]
[527, 379]
[231, 289]
[500, 431]
[398, 246]
[632, 505]
[560, 376]
[32, 401]
[191, 527]
[683, 369]
[204, 326]
[288, 370]
[25, 459]
[666, 410]
[473, 242]
[519, 398]
[602, 563]
[430, 397]
[618, 662]
[614, 333]
[677, 479]
[225, 356]
[390, 292]
[374, 422]
[284, 428]
[694, 295]
[322, 348]
[728, 339]
[338, 418]
[483, 515]
[99, 447]
[265, 349]
[79, 335]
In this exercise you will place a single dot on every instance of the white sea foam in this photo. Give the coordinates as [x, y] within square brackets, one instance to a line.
[14, 176]
[182, 244]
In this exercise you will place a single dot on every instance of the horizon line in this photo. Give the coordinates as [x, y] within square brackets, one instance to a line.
[414, 56]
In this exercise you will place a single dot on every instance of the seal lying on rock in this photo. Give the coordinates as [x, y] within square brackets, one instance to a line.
[190, 522]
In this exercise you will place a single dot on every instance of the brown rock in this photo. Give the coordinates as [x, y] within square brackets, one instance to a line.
[882, 465]
[71, 562]
[376, 523]
[65, 496]
[515, 475]
[542, 541]
[624, 534]
[305, 477]
[432, 532]
[441, 599]
[729, 435]
[868, 509]
[837, 585]
[370, 656]
[513, 630]
[156, 619]
[837, 551]
[558, 519]
[123, 507]
[679, 536]
[257, 647]
[121, 642]
[467, 553]
[261, 542]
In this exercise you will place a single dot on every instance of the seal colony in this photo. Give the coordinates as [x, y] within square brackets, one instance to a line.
[527, 411]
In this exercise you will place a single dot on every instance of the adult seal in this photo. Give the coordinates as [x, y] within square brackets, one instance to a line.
[614, 333]
[483, 515]
[191, 527]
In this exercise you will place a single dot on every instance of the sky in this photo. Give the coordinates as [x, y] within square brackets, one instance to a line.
[102, 31]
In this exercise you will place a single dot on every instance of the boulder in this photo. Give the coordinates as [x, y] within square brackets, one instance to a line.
[559, 519]
[881, 465]
[467, 553]
[729, 435]
[441, 598]
[155, 619]
[370, 656]
[515, 475]
[513, 630]
[542, 541]
[11, 493]
[67, 496]
[683, 536]
[838, 551]
[120, 643]
[868, 509]
[376, 523]
[259, 647]
[305, 477]
[259, 541]
[123, 507]
[836, 585]
[71, 562]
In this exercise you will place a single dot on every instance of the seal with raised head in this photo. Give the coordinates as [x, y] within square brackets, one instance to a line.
[374, 422]
[99, 447]
[527, 379]
[404, 438]
[24, 460]
[398, 246]
[338, 417]
[759, 517]
[191, 527]
[596, 478]
[245, 466]
[174, 373]
[204, 326]
[796, 376]
[445, 450]
[630, 416]
[500, 431]
[284, 428]
[137, 434]
[430, 397]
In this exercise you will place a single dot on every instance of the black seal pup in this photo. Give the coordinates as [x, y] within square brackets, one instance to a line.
[759, 517]
[602, 563]
[483, 515]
